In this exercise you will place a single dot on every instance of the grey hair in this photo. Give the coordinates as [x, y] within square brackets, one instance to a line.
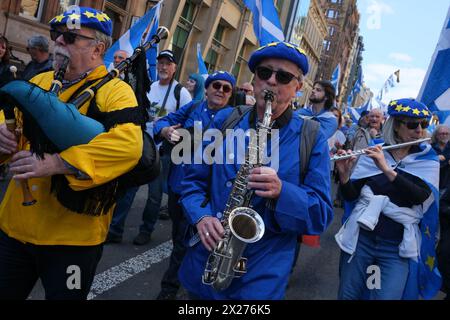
[435, 132]
[38, 42]
[389, 134]
[101, 37]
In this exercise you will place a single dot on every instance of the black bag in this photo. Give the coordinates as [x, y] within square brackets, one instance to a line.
[148, 167]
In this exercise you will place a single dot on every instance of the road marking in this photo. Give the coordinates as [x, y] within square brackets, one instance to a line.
[116, 275]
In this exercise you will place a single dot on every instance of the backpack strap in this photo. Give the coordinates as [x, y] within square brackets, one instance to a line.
[233, 119]
[177, 92]
[308, 138]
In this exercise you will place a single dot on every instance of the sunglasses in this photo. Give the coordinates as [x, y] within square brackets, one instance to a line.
[281, 76]
[414, 124]
[218, 85]
[69, 37]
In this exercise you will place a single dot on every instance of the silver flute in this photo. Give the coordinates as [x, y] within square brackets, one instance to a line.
[357, 153]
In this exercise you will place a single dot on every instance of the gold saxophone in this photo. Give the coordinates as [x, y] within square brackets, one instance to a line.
[241, 223]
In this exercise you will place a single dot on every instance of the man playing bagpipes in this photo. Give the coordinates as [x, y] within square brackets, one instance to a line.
[58, 237]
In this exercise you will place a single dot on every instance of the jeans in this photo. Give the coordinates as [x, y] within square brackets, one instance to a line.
[151, 210]
[358, 281]
[22, 264]
[170, 282]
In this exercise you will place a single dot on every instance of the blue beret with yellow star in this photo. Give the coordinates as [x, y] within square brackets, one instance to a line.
[280, 50]
[408, 108]
[84, 17]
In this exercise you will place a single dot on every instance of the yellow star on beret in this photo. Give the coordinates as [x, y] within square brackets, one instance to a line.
[430, 262]
[393, 103]
[406, 109]
[100, 17]
[58, 18]
[416, 111]
[425, 113]
[74, 16]
[399, 108]
[89, 14]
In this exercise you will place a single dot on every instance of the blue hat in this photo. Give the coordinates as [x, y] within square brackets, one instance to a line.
[220, 75]
[408, 108]
[280, 50]
[85, 17]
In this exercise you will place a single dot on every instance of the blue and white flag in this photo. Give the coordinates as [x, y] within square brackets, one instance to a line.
[358, 83]
[137, 35]
[202, 70]
[335, 78]
[266, 23]
[435, 90]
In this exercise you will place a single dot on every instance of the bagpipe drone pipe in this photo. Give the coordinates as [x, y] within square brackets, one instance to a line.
[52, 126]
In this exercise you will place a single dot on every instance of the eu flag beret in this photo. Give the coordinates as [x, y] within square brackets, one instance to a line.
[220, 75]
[280, 50]
[408, 108]
[84, 17]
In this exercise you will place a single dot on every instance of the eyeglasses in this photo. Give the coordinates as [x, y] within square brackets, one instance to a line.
[281, 76]
[69, 37]
[218, 85]
[414, 124]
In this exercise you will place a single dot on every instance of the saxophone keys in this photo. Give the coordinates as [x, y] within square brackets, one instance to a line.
[241, 267]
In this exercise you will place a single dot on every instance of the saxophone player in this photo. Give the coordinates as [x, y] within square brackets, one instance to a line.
[287, 206]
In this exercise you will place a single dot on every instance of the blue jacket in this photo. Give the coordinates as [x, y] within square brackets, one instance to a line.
[327, 120]
[300, 209]
[186, 118]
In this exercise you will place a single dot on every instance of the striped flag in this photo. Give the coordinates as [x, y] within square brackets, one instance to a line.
[137, 35]
[266, 23]
[435, 90]
[335, 78]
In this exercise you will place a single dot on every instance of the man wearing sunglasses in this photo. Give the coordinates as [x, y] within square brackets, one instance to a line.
[219, 87]
[47, 240]
[287, 206]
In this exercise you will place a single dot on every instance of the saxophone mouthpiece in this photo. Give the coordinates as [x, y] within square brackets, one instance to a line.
[269, 95]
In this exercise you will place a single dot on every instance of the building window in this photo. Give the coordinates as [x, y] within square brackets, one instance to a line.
[332, 14]
[188, 11]
[32, 9]
[238, 63]
[326, 45]
[179, 40]
[211, 61]
[331, 31]
[336, 1]
[65, 4]
[122, 4]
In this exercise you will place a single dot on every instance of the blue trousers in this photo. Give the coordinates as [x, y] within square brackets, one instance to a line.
[170, 282]
[151, 210]
[373, 254]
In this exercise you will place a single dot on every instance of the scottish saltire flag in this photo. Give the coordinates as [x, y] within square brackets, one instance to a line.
[266, 23]
[137, 35]
[354, 114]
[201, 64]
[350, 99]
[435, 90]
[335, 78]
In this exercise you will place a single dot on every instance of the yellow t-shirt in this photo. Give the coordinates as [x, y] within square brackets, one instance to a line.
[104, 158]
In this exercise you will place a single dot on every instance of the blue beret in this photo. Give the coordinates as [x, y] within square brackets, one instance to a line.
[408, 108]
[221, 75]
[85, 17]
[280, 50]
